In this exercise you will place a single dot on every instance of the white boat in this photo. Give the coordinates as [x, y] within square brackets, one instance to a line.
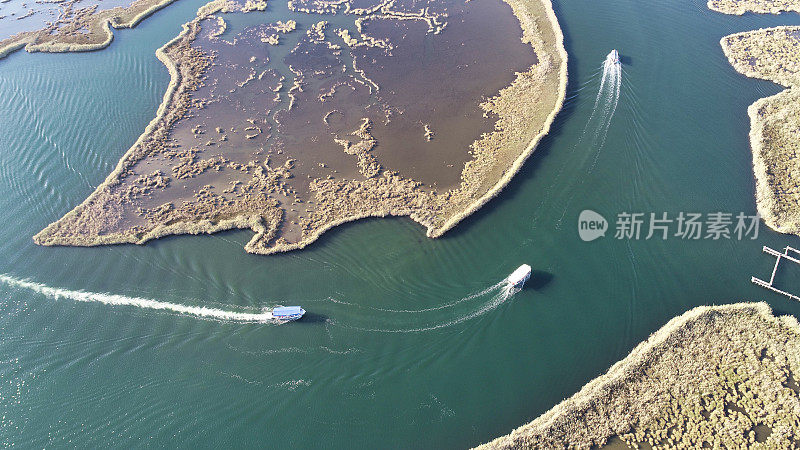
[288, 313]
[518, 277]
[614, 56]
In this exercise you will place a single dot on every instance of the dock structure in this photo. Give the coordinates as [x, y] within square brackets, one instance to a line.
[778, 256]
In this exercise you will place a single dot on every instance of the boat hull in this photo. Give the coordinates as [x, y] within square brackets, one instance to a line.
[288, 314]
[288, 319]
[518, 278]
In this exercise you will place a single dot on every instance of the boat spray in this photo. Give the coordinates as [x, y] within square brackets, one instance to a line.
[145, 303]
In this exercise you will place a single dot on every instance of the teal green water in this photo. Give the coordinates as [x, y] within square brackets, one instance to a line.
[394, 351]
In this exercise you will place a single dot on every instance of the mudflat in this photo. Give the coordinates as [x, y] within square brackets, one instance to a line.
[290, 127]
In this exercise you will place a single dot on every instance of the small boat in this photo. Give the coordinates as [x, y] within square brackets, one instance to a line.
[288, 313]
[518, 277]
[614, 56]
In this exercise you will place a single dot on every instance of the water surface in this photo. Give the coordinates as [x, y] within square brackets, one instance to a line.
[400, 348]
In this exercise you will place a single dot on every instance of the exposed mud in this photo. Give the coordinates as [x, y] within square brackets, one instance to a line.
[337, 127]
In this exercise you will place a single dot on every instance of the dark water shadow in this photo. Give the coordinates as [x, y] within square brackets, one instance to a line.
[539, 279]
[778, 311]
[545, 146]
[625, 60]
[347, 227]
[310, 318]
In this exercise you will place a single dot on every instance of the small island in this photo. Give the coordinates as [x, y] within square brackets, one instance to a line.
[77, 25]
[739, 7]
[716, 377]
[771, 54]
[292, 127]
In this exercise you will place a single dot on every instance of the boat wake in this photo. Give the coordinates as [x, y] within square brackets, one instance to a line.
[121, 300]
[593, 136]
[500, 293]
[469, 297]
[605, 105]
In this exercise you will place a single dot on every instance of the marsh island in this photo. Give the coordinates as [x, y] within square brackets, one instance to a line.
[714, 377]
[68, 25]
[340, 110]
[771, 54]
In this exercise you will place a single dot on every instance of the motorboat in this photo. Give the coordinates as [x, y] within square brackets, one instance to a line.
[614, 56]
[288, 313]
[518, 277]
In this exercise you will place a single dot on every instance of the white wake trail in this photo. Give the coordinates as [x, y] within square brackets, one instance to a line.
[498, 299]
[502, 292]
[602, 95]
[121, 300]
[433, 308]
[605, 106]
[596, 129]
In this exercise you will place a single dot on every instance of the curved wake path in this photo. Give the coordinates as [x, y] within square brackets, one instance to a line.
[121, 300]
[596, 130]
[435, 308]
[502, 292]
[605, 105]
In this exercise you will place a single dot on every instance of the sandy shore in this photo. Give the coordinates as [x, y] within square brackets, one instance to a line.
[721, 376]
[81, 30]
[524, 110]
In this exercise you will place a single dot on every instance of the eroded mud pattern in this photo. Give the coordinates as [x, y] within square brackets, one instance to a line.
[68, 25]
[337, 111]
[17, 16]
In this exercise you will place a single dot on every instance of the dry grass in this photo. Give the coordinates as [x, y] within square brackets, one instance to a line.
[773, 54]
[714, 376]
[739, 7]
[83, 29]
[525, 109]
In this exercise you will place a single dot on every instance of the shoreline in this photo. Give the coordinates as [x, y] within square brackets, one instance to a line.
[516, 166]
[740, 7]
[767, 201]
[44, 237]
[437, 213]
[122, 164]
[772, 120]
[42, 41]
[607, 406]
